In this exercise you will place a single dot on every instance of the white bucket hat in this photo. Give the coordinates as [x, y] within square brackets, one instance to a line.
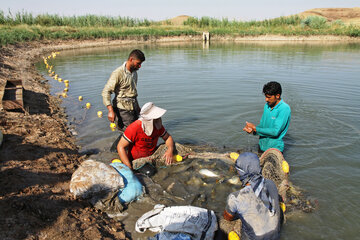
[148, 113]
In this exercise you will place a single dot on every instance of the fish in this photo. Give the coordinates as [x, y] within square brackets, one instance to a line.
[208, 173]
[235, 180]
[194, 181]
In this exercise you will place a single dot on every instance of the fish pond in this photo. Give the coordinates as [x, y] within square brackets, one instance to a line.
[209, 93]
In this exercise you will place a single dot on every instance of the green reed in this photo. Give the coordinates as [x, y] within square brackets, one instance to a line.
[72, 21]
[22, 27]
[23, 33]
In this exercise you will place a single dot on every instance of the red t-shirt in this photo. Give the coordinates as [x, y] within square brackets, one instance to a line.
[141, 145]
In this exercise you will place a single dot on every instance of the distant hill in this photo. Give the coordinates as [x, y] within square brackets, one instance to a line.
[346, 15]
[179, 20]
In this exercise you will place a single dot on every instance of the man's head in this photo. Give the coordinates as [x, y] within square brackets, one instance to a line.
[136, 57]
[247, 164]
[150, 115]
[272, 92]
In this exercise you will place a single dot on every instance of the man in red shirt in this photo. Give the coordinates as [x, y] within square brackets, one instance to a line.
[140, 137]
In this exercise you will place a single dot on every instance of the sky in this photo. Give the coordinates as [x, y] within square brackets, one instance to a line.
[166, 9]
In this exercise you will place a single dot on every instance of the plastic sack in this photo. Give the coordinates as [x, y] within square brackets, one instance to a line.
[133, 188]
[197, 222]
[93, 178]
[170, 236]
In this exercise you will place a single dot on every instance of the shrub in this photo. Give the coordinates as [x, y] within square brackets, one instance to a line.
[316, 22]
[337, 22]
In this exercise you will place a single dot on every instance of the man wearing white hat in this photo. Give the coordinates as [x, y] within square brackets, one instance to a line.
[140, 137]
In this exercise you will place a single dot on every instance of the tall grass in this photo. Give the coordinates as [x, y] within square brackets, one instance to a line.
[22, 33]
[214, 23]
[24, 26]
[72, 21]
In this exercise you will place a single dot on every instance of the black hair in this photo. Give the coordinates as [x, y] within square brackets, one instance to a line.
[138, 54]
[272, 88]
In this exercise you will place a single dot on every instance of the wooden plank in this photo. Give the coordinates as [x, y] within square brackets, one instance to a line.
[13, 95]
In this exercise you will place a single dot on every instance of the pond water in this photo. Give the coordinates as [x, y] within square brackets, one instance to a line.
[210, 91]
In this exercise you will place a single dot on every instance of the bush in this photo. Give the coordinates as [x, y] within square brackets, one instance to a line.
[316, 22]
[337, 22]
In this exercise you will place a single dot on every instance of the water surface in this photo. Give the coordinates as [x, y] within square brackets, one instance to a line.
[210, 92]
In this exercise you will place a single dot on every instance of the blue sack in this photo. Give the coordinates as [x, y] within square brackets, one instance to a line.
[170, 236]
[133, 188]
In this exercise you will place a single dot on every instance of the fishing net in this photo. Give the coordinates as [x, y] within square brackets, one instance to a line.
[295, 199]
[157, 158]
[270, 161]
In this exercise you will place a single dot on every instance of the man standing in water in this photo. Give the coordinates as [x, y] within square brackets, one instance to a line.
[123, 82]
[275, 120]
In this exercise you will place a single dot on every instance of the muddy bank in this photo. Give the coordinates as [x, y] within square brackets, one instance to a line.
[37, 158]
[39, 154]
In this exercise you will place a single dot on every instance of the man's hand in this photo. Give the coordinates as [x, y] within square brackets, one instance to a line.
[169, 142]
[249, 127]
[169, 157]
[111, 114]
[246, 129]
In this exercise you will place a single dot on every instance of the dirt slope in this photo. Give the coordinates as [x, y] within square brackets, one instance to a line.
[347, 15]
[179, 20]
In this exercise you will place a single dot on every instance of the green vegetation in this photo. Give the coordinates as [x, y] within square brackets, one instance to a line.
[314, 22]
[225, 23]
[23, 27]
[286, 26]
[74, 21]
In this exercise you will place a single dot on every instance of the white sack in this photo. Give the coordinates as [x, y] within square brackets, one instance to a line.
[198, 222]
[93, 177]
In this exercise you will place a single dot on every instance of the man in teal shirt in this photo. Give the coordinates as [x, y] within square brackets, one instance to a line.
[275, 120]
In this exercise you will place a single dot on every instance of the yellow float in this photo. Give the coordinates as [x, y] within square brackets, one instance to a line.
[285, 166]
[233, 236]
[234, 155]
[178, 158]
[113, 126]
[116, 160]
[283, 207]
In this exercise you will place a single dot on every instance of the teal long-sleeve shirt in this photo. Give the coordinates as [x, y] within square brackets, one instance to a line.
[273, 126]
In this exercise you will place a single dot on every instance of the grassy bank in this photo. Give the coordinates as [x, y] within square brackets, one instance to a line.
[22, 27]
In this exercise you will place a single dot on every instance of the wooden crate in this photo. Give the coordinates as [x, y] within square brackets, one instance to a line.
[13, 95]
